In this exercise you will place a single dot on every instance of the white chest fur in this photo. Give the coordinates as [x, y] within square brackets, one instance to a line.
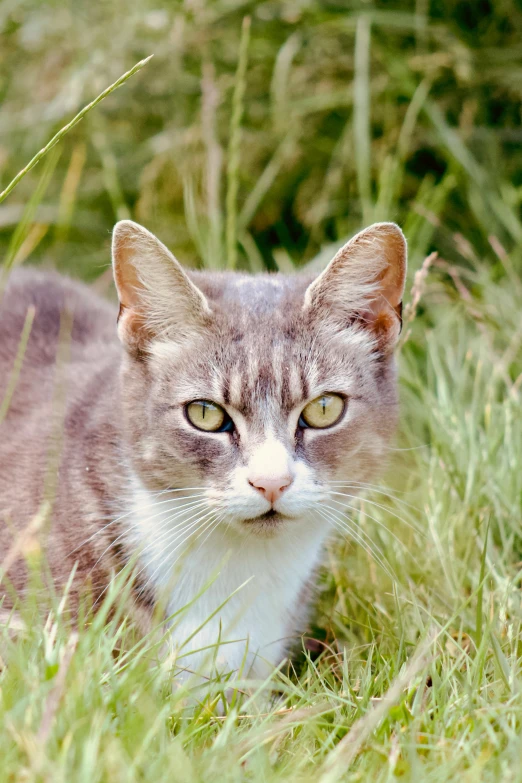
[234, 600]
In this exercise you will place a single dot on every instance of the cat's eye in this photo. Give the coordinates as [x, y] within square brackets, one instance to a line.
[322, 412]
[208, 416]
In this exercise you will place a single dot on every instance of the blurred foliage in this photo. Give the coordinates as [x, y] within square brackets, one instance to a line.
[353, 112]
[348, 112]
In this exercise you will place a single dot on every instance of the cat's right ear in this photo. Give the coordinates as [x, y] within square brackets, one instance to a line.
[157, 298]
[364, 284]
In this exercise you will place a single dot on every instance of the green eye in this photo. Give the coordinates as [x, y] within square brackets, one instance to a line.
[323, 411]
[206, 415]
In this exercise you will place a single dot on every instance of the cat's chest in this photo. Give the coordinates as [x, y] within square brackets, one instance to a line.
[217, 585]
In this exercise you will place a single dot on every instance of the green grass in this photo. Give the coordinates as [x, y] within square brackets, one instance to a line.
[335, 117]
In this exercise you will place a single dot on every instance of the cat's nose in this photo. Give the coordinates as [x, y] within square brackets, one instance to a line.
[271, 488]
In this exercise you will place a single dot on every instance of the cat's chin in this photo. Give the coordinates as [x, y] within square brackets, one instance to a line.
[267, 524]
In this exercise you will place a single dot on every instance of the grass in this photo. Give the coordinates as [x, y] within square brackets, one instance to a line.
[329, 118]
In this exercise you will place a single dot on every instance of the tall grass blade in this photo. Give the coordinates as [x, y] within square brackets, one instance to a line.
[66, 128]
[361, 115]
[17, 366]
[235, 144]
[480, 591]
[21, 232]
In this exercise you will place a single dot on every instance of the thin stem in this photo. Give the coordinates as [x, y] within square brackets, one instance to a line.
[17, 366]
[61, 133]
[234, 145]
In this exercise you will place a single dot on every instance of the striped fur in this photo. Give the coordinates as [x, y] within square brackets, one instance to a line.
[133, 478]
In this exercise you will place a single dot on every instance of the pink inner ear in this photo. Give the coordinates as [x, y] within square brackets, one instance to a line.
[385, 304]
[125, 275]
[368, 273]
[383, 315]
[392, 284]
[385, 321]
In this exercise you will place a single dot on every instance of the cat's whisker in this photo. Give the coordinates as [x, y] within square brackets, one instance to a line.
[185, 528]
[164, 523]
[149, 546]
[355, 483]
[167, 554]
[363, 539]
[382, 525]
[175, 513]
[386, 491]
[114, 520]
[350, 533]
[407, 448]
[410, 525]
[364, 485]
[178, 530]
[218, 521]
[209, 523]
[362, 489]
[211, 526]
[351, 523]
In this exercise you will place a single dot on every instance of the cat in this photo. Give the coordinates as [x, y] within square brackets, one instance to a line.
[206, 442]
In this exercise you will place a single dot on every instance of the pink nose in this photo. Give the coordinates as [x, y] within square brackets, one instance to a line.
[271, 488]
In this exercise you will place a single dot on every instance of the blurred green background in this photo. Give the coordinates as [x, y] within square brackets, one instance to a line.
[352, 112]
[267, 151]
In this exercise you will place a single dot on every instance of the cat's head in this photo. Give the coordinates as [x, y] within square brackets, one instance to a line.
[262, 392]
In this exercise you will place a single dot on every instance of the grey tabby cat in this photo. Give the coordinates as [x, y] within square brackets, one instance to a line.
[206, 439]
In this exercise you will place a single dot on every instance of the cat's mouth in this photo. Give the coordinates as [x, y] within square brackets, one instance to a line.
[271, 516]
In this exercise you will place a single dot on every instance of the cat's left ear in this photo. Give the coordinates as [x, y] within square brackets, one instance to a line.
[157, 297]
[364, 282]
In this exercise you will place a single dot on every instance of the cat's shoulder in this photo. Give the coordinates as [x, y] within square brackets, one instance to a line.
[49, 290]
[57, 300]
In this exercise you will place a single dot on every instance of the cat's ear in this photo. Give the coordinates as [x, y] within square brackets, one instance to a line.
[157, 298]
[364, 282]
